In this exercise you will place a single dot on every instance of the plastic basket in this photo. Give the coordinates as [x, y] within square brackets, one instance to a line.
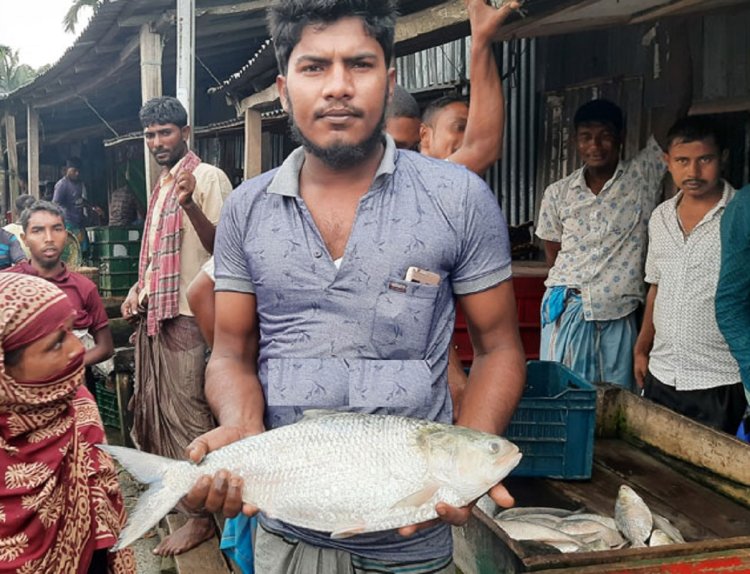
[117, 281]
[114, 234]
[118, 265]
[106, 400]
[114, 293]
[554, 423]
[118, 249]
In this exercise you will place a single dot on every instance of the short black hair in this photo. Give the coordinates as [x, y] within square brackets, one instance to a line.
[40, 205]
[599, 112]
[696, 128]
[73, 162]
[163, 110]
[288, 18]
[436, 105]
[23, 201]
[402, 104]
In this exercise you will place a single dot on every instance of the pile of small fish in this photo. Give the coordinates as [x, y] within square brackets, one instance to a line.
[633, 525]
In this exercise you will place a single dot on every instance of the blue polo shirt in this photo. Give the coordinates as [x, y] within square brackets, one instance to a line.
[360, 336]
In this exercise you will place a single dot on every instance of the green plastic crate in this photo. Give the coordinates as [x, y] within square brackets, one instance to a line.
[128, 249]
[554, 423]
[106, 400]
[114, 234]
[117, 281]
[110, 293]
[109, 265]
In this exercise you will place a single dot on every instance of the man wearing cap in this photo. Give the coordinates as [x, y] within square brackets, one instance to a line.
[594, 225]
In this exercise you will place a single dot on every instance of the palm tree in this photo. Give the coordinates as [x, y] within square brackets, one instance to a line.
[70, 21]
[13, 74]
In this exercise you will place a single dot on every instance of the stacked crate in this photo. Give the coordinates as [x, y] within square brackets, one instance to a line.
[115, 251]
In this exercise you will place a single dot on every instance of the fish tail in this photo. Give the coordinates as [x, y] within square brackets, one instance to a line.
[156, 502]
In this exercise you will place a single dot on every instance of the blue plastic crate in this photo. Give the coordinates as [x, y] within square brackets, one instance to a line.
[554, 423]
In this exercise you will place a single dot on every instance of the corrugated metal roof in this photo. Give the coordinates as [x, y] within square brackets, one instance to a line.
[97, 79]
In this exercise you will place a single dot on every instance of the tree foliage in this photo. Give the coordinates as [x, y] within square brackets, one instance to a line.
[70, 21]
[13, 74]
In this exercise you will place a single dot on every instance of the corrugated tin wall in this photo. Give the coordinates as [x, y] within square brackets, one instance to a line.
[513, 178]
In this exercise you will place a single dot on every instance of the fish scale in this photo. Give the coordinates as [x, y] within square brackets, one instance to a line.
[344, 473]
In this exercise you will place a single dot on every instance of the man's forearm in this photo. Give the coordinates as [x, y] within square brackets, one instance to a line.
[234, 394]
[204, 228]
[496, 383]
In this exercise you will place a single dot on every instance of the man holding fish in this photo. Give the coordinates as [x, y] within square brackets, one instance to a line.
[335, 278]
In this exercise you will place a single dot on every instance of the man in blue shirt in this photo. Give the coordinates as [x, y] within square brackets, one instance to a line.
[313, 304]
[11, 251]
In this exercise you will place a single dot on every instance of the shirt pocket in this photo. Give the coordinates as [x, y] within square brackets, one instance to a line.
[403, 319]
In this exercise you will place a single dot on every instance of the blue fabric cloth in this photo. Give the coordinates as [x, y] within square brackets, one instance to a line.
[237, 541]
[359, 336]
[598, 351]
[733, 289]
[554, 305]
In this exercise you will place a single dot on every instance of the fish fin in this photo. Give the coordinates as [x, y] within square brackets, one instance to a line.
[348, 531]
[146, 468]
[156, 502]
[418, 498]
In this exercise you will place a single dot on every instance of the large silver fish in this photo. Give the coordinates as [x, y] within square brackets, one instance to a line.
[633, 517]
[343, 473]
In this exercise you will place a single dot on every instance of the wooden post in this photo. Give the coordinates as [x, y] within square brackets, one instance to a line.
[151, 50]
[186, 59]
[10, 139]
[32, 150]
[253, 145]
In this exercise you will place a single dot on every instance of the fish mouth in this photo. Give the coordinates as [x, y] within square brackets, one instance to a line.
[507, 462]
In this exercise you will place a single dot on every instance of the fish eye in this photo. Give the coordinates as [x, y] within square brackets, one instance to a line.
[494, 448]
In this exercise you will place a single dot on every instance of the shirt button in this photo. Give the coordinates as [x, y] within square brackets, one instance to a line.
[317, 254]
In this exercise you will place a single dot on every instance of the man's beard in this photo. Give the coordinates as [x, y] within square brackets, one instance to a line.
[339, 155]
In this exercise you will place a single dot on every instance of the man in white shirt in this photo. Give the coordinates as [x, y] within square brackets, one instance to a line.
[594, 224]
[681, 359]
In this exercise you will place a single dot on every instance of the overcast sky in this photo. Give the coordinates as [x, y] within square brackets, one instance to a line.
[35, 29]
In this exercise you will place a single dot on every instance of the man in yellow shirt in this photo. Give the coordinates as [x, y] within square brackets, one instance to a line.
[169, 406]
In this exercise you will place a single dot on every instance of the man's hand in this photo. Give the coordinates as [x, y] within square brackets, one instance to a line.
[185, 185]
[485, 20]
[130, 309]
[223, 491]
[459, 516]
[640, 366]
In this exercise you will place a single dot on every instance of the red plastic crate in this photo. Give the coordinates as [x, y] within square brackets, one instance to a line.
[529, 291]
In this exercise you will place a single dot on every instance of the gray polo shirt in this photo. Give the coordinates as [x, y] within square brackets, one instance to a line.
[359, 336]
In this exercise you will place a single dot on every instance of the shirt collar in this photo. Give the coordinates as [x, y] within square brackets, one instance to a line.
[286, 180]
[580, 180]
[726, 195]
[29, 269]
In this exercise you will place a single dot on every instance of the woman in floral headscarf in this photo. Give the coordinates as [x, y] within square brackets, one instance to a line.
[60, 504]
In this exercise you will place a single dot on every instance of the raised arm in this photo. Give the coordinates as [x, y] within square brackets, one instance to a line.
[483, 139]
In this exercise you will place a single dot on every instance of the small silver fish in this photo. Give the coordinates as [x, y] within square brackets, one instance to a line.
[520, 530]
[659, 538]
[633, 517]
[344, 473]
[667, 528]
